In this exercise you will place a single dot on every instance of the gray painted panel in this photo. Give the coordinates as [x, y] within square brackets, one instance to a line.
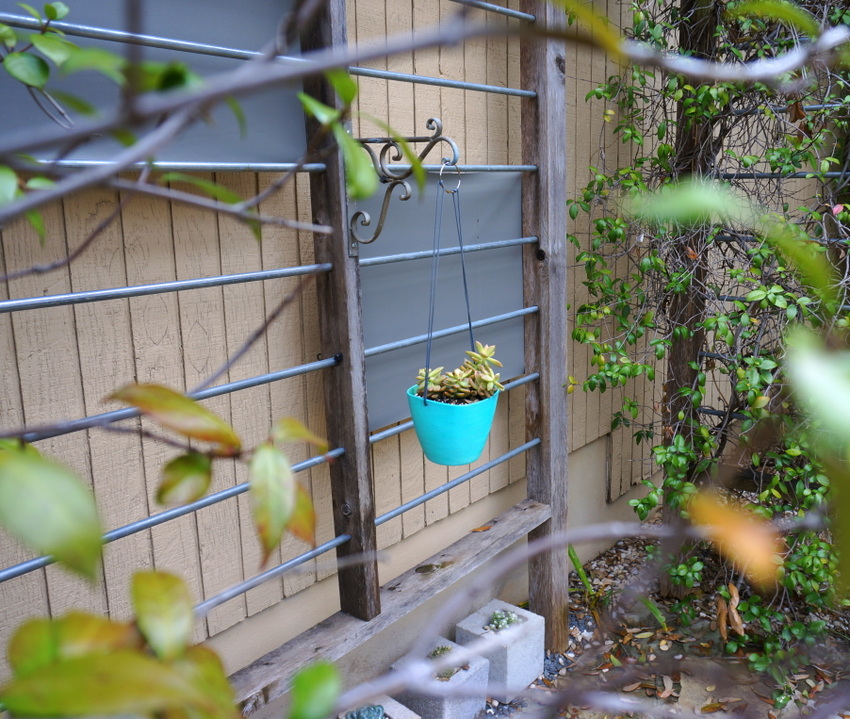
[275, 124]
[395, 296]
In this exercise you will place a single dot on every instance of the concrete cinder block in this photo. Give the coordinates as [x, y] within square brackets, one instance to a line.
[392, 709]
[471, 676]
[516, 658]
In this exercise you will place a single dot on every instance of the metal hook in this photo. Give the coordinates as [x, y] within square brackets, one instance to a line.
[446, 164]
[364, 219]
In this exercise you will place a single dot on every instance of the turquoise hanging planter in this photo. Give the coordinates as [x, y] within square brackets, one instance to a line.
[452, 434]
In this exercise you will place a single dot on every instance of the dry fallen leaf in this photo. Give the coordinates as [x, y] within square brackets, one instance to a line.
[632, 687]
[483, 528]
[721, 618]
[751, 543]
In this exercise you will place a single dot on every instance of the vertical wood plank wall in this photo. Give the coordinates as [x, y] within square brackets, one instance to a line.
[61, 363]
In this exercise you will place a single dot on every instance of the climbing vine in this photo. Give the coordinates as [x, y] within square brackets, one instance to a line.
[686, 291]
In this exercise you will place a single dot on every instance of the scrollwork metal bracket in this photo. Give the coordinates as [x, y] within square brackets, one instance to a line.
[395, 176]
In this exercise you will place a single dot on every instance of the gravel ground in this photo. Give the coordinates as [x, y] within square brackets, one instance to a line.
[619, 645]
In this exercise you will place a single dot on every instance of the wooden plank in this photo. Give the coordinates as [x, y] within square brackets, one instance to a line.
[47, 358]
[345, 384]
[280, 248]
[386, 466]
[26, 596]
[268, 678]
[178, 543]
[545, 285]
[103, 331]
[516, 432]
[412, 482]
[245, 310]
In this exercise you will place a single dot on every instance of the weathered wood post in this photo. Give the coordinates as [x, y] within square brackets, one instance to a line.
[340, 319]
[545, 284]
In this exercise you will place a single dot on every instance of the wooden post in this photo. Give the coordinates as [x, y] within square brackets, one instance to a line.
[340, 319]
[544, 193]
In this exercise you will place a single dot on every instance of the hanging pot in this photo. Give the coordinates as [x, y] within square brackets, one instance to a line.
[452, 434]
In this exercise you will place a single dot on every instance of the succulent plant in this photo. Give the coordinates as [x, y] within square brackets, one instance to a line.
[475, 379]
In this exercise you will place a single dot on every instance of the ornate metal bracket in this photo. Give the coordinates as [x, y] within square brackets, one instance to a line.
[394, 176]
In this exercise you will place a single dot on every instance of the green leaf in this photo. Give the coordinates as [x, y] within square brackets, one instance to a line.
[786, 12]
[27, 68]
[213, 189]
[123, 682]
[56, 10]
[40, 183]
[32, 646]
[7, 36]
[36, 220]
[202, 668]
[314, 691]
[324, 114]
[98, 60]
[361, 180]
[164, 613]
[31, 10]
[124, 136]
[52, 47]
[46, 507]
[756, 295]
[77, 104]
[239, 114]
[8, 185]
[290, 429]
[821, 381]
[272, 490]
[692, 202]
[179, 413]
[406, 150]
[185, 479]
[343, 84]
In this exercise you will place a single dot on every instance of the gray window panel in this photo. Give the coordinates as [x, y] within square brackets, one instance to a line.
[395, 296]
[275, 121]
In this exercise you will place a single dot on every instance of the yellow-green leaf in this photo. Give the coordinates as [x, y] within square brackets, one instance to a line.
[314, 691]
[786, 12]
[361, 180]
[123, 682]
[273, 495]
[8, 185]
[302, 524]
[41, 642]
[50, 510]
[52, 47]
[202, 668]
[164, 613]
[179, 413]
[343, 84]
[185, 479]
[324, 114]
[290, 429]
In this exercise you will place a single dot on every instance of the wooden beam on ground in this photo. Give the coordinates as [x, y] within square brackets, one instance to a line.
[341, 326]
[268, 678]
[542, 63]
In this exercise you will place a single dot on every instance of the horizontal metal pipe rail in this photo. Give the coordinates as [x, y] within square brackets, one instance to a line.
[425, 254]
[498, 9]
[404, 426]
[832, 175]
[474, 168]
[116, 415]
[118, 293]
[780, 110]
[238, 589]
[440, 82]
[160, 518]
[181, 166]
[393, 513]
[457, 329]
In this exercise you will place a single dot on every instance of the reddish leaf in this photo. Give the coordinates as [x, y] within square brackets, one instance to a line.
[179, 413]
[164, 612]
[202, 668]
[290, 429]
[50, 510]
[302, 523]
[722, 618]
[185, 479]
[273, 495]
[123, 682]
[484, 528]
